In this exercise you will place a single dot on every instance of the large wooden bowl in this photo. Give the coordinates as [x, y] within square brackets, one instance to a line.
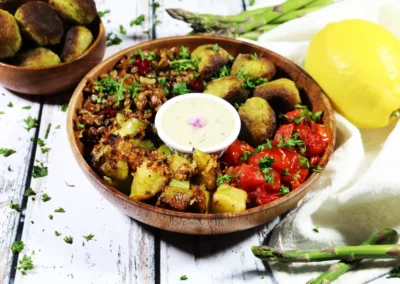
[205, 224]
[57, 78]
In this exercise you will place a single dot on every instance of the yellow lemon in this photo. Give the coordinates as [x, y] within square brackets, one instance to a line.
[357, 63]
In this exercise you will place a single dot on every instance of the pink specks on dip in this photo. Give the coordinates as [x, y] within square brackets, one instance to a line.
[197, 121]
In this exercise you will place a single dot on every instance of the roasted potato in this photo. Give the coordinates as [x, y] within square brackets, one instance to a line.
[122, 185]
[212, 59]
[179, 199]
[115, 168]
[207, 169]
[282, 94]
[253, 66]
[77, 41]
[228, 88]
[37, 57]
[10, 37]
[228, 199]
[40, 23]
[81, 12]
[183, 168]
[258, 121]
[129, 127]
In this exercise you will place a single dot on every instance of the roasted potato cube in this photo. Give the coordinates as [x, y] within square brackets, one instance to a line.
[228, 88]
[122, 185]
[146, 144]
[146, 183]
[201, 159]
[258, 121]
[281, 94]
[81, 12]
[179, 199]
[180, 184]
[40, 23]
[212, 59]
[10, 36]
[37, 57]
[131, 126]
[116, 169]
[228, 199]
[183, 168]
[165, 150]
[77, 41]
[249, 66]
[207, 169]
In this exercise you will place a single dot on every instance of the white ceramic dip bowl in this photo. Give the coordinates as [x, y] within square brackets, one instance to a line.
[197, 120]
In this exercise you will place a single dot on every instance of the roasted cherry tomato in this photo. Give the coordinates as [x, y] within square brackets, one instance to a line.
[261, 197]
[248, 178]
[315, 143]
[291, 115]
[322, 131]
[234, 154]
[293, 180]
[283, 132]
[273, 181]
[314, 160]
[283, 159]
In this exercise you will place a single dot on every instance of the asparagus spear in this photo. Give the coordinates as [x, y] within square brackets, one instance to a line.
[320, 3]
[253, 35]
[386, 236]
[348, 253]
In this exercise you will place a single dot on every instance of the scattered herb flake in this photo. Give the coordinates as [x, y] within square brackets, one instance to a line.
[26, 107]
[64, 107]
[395, 273]
[58, 126]
[103, 13]
[25, 264]
[161, 80]
[15, 206]
[69, 185]
[45, 197]
[316, 169]
[30, 123]
[138, 21]
[284, 190]
[155, 5]
[180, 88]
[89, 237]
[47, 131]
[261, 147]
[254, 56]
[252, 83]
[7, 152]
[303, 161]
[184, 52]
[80, 126]
[225, 178]
[265, 162]
[10, 104]
[45, 150]
[50, 217]
[316, 229]
[134, 89]
[184, 277]
[39, 171]
[29, 192]
[57, 234]
[9, 169]
[251, 3]
[39, 141]
[113, 39]
[17, 247]
[216, 47]
[2, 112]
[224, 72]
[246, 156]
[122, 30]
[68, 240]
[59, 210]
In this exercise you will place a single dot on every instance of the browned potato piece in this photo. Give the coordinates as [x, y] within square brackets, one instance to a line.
[77, 41]
[259, 67]
[37, 57]
[178, 199]
[40, 23]
[81, 12]
[10, 37]
[228, 88]
[258, 121]
[212, 59]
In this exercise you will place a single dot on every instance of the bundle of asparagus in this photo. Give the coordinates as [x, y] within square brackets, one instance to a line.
[378, 246]
[248, 24]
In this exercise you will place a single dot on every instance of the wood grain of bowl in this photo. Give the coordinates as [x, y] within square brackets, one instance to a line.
[54, 79]
[205, 224]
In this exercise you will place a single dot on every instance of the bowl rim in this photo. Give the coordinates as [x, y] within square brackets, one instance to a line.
[188, 149]
[87, 51]
[185, 215]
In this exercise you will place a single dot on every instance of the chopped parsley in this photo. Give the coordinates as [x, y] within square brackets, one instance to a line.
[316, 169]
[155, 5]
[45, 197]
[7, 152]
[39, 171]
[252, 83]
[225, 178]
[17, 247]
[316, 229]
[113, 39]
[103, 13]
[251, 3]
[68, 240]
[184, 52]
[316, 116]
[265, 162]
[133, 90]
[152, 56]
[2, 112]
[254, 56]
[261, 147]
[47, 131]
[246, 156]
[162, 80]
[180, 88]
[240, 75]
[122, 30]
[59, 210]
[29, 192]
[26, 107]
[45, 150]
[58, 126]
[64, 107]
[395, 273]
[25, 264]
[80, 126]
[268, 175]
[216, 47]
[9, 169]
[39, 141]
[285, 172]
[291, 142]
[303, 161]
[184, 277]
[231, 58]
[284, 190]
[237, 106]
[69, 185]
[138, 21]
[15, 206]
[224, 72]
[10, 104]
[183, 64]
[89, 237]
[50, 217]
[57, 234]
[30, 123]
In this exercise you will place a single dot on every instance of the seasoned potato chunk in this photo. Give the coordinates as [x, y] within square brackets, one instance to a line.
[228, 88]
[258, 121]
[228, 199]
[207, 166]
[116, 169]
[131, 126]
[165, 150]
[282, 94]
[179, 199]
[77, 41]
[254, 67]
[122, 185]
[183, 168]
[147, 183]
[37, 57]
[212, 59]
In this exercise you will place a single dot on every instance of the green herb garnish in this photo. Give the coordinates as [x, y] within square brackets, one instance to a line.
[113, 39]
[133, 90]
[50, 217]
[184, 52]
[15, 206]
[216, 47]
[122, 30]
[161, 80]
[10, 104]
[45, 197]
[7, 152]
[39, 171]
[17, 247]
[30, 123]
[47, 131]
[394, 273]
[68, 240]
[25, 264]
[225, 179]
[184, 277]
[246, 156]
[265, 162]
[89, 237]
[26, 107]
[103, 13]
[138, 21]
[303, 161]
[69, 185]
[254, 56]
[80, 126]
[57, 234]
[59, 210]
[180, 88]
[316, 229]
[29, 192]
[284, 190]
[315, 169]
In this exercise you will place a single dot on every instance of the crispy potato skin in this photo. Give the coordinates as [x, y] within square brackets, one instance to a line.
[211, 61]
[254, 68]
[38, 57]
[40, 23]
[258, 121]
[81, 12]
[228, 88]
[10, 36]
[282, 94]
[77, 41]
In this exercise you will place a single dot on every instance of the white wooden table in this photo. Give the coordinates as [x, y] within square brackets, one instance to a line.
[123, 250]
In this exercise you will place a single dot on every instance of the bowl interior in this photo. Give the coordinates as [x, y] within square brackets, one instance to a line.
[311, 95]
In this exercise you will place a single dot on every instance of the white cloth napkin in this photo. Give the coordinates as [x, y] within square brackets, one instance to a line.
[359, 191]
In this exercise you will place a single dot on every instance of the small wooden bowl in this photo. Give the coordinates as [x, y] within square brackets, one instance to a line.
[57, 78]
[205, 224]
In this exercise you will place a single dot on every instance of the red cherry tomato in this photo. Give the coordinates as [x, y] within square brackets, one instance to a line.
[248, 178]
[315, 143]
[234, 154]
[275, 184]
[283, 132]
[284, 159]
[314, 160]
[294, 180]
[261, 197]
[291, 115]
[322, 131]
